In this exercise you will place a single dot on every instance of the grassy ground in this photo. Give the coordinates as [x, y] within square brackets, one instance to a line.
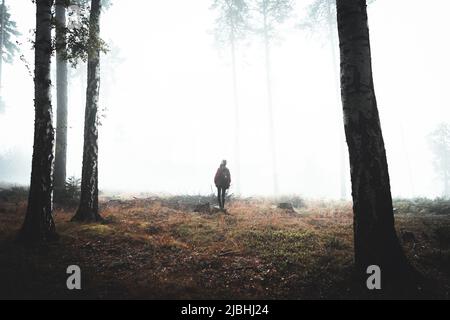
[159, 248]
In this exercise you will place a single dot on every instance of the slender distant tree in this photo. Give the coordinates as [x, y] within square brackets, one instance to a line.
[39, 224]
[61, 97]
[440, 144]
[375, 238]
[268, 15]
[8, 47]
[88, 208]
[72, 44]
[232, 26]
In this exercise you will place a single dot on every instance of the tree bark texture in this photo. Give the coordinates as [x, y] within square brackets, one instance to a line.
[39, 224]
[375, 238]
[88, 209]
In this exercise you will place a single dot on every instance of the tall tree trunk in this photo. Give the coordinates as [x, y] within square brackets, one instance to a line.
[237, 152]
[270, 107]
[376, 241]
[333, 46]
[2, 42]
[39, 224]
[88, 209]
[61, 89]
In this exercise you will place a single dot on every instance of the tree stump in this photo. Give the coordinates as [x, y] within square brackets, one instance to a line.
[203, 208]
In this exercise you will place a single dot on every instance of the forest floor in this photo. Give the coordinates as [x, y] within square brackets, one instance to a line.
[158, 248]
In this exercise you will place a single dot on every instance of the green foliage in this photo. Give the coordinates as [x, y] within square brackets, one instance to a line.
[81, 41]
[10, 33]
[232, 24]
[197, 233]
[319, 15]
[286, 246]
[269, 14]
[240, 18]
[70, 195]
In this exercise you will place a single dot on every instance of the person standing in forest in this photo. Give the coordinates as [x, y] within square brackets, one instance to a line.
[222, 181]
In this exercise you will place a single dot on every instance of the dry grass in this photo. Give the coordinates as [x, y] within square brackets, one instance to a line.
[158, 248]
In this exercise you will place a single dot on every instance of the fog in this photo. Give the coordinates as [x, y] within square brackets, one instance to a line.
[168, 106]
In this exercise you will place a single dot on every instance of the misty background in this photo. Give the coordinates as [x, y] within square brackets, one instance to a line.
[167, 100]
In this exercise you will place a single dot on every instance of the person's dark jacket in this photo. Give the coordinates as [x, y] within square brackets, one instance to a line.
[222, 178]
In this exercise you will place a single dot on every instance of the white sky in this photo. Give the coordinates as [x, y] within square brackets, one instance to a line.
[170, 117]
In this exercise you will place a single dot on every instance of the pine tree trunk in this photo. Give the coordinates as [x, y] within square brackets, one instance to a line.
[237, 122]
[88, 209]
[2, 41]
[39, 224]
[61, 89]
[270, 108]
[375, 238]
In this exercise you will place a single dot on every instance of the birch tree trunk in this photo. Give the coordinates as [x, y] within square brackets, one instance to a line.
[88, 209]
[39, 224]
[375, 238]
[61, 98]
